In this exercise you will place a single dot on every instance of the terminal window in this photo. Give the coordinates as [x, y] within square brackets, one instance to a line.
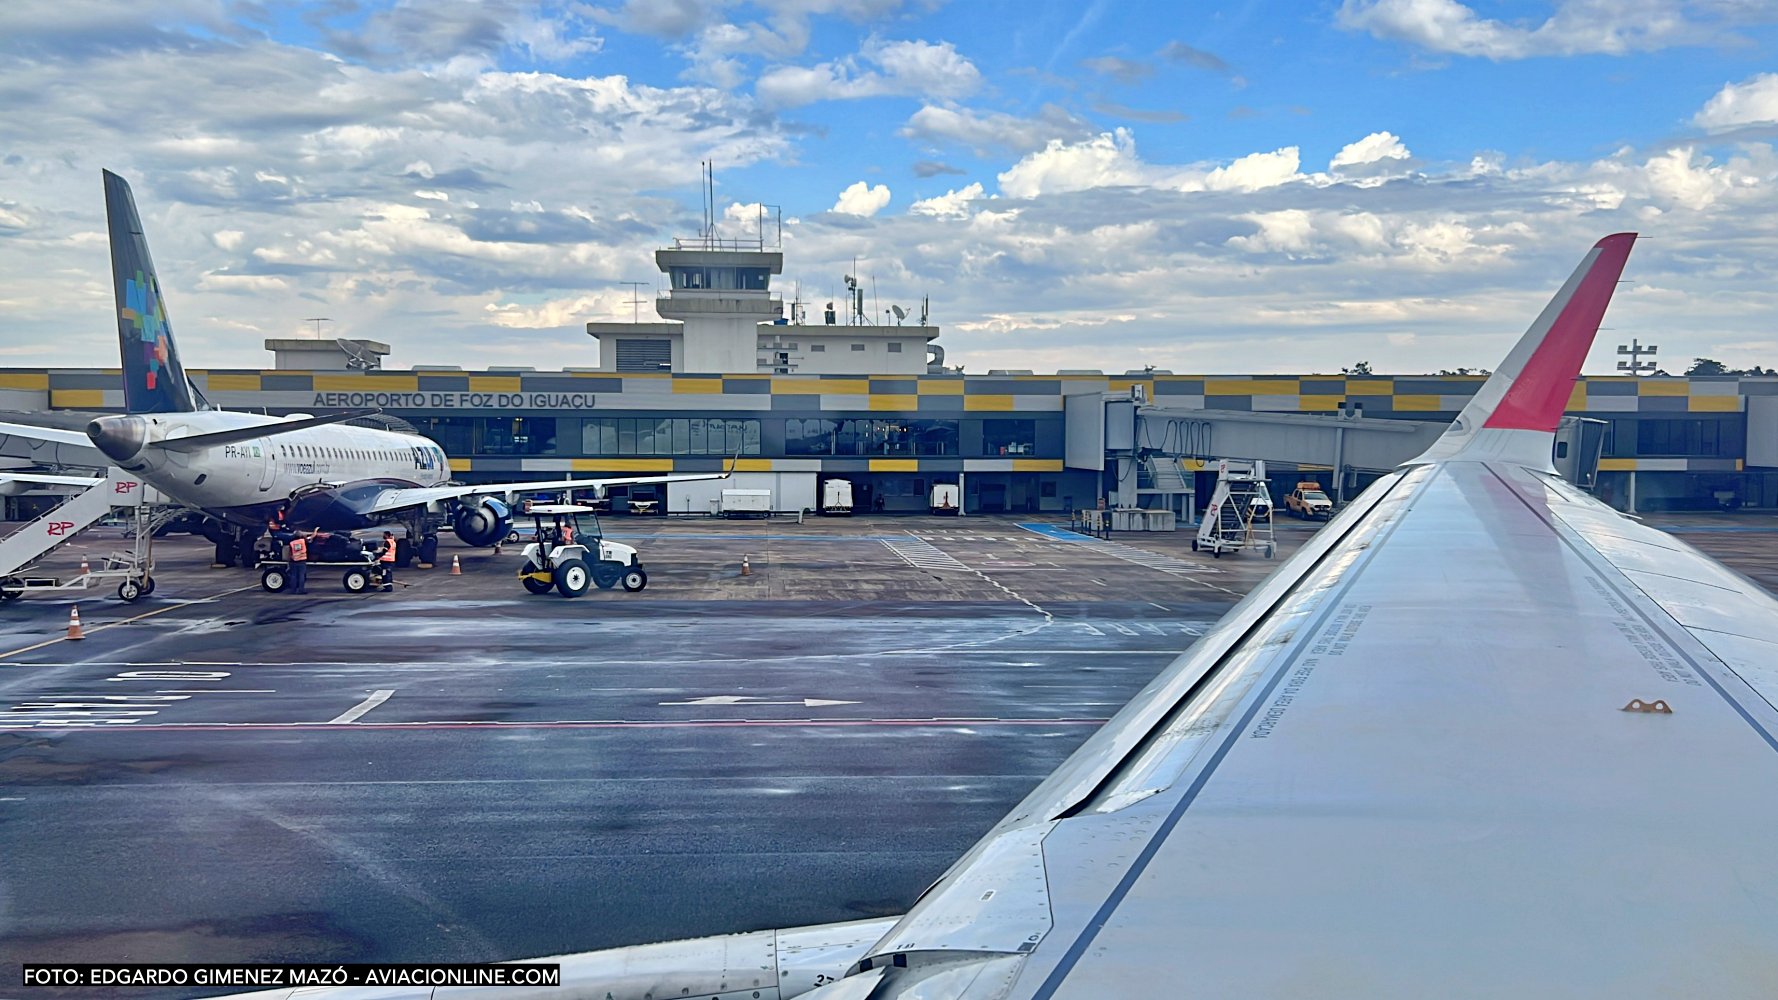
[601, 436]
[1009, 437]
[518, 436]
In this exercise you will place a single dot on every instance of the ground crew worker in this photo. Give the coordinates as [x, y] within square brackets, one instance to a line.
[299, 564]
[386, 556]
[567, 532]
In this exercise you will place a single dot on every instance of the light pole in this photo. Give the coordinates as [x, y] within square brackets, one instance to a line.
[1635, 350]
[635, 299]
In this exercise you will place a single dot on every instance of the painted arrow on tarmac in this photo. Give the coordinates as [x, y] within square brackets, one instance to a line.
[741, 699]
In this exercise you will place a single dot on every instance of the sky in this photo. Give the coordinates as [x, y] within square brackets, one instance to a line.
[1197, 186]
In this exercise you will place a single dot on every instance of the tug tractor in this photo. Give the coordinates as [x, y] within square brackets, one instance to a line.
[570, 555]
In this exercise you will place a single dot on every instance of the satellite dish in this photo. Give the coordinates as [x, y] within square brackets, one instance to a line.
[900, 313]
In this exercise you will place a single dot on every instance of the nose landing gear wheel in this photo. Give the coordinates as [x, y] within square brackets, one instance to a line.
[573, 578]
[634, 579]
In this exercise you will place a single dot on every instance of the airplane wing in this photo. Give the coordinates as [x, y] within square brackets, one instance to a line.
[1482, 736]
[49, 480]
[51, 435]
[415, 496]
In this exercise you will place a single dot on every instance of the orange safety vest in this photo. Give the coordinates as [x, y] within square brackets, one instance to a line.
[299, 550]
[388, 551]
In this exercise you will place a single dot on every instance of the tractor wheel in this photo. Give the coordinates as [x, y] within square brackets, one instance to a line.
[634, 579]
[573, 578]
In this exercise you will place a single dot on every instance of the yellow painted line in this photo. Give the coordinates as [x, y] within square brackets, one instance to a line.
[1407, 403]
[1617, 465]
[1037, 465]
[708, 386]
[233, 383]
[988, 401]
[813, 386]
[1370, 387]
[1249, 387]
[621, 465]
[752, 464]
[1663, 387]
[126, 621]
[895, 465]
[77, 398]
[1714, 404]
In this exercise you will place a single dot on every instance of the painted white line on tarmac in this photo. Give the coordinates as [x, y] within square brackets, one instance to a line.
[358, 711]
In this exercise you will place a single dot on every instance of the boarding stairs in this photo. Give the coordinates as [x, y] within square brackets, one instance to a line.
[1161, 475]
[1240, 511]
[24, 548]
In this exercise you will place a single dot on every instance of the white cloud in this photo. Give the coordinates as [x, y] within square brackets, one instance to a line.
[1612, 27]
[926, 69]
[994, 131]
[227, 239]
[951, 204]
[1753, 102]
[1256, 171]
[1373, 148]
[862, 200]
[1106, 160]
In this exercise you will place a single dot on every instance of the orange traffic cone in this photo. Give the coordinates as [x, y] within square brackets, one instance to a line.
[74, 631]
[456, 566]
[84, 568]
[746, 567]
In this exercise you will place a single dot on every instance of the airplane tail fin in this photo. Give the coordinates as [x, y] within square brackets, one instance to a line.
[153, 379]
[1513, 417]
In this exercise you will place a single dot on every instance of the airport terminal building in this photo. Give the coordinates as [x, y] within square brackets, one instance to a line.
[726, 374]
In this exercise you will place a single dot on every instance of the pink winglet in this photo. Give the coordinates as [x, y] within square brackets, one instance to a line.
[1540, 393]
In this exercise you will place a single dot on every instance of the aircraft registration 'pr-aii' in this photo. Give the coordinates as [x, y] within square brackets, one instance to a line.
[1482, 736]
[241, 467]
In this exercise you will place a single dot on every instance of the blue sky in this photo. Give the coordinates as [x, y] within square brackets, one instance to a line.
[1204, 187]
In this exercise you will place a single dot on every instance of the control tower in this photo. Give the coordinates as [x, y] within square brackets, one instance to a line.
[722, 318]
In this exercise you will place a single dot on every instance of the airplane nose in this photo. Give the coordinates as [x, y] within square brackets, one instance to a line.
[120, 438]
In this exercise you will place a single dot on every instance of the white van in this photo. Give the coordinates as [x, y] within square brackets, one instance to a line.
[947, 498]
[836, 497]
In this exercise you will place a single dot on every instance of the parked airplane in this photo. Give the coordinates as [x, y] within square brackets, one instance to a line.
[241, 468]
[1482, 736]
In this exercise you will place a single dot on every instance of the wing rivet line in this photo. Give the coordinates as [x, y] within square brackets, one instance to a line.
[1656, 707]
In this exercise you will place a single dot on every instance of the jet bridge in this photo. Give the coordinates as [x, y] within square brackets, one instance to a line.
[1151, 454]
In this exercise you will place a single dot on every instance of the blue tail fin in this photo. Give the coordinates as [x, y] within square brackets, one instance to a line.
[153, 379]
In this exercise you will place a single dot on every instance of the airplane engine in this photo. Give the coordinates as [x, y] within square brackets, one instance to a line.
[482, 521]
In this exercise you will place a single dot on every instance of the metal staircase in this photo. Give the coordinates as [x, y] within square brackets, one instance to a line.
[1240, 511]
[1161, 474]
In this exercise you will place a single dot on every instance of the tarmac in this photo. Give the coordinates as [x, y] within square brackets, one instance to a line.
[464, 772]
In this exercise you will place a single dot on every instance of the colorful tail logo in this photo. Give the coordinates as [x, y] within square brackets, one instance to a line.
[153, 379]
[143, 314]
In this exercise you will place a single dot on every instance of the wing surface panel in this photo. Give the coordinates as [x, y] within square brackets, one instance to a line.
[416, 496]
[1436, 793]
